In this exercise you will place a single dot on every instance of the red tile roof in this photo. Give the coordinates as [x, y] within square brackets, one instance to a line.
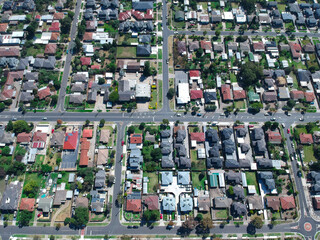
[95, 66]
[133, 205]
[239, 94]
[27, 204]
[136, 138]
[296, 94]
[309, 96]
[84, 159]
[85, 144]
[196, 94]
[9, 52]
[39, 136]
[123, 16]
[295, 49]
[198, 136]
[194, 73]
[55, 36]
[88, 36]
[51, 48]
[306, 138]
[274, 136]
[316, 202]
[287, 202]
[55, 27]
[87, 133]
[85, 61]
[24, 137]
[206, 45]
[226, 92]
[3, 27]
[43, 93]
[58, 15]
[71, 140]
[152, 201]
[258, 47]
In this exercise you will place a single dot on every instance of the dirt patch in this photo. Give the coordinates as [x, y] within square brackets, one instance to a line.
[64, 212]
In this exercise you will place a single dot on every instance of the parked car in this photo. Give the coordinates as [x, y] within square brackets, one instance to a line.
[135, 226]
[299, 173]
[199, 114]
[122, 143]
[161, 216]
[288, 130]
[272, 119]
[301, 119]
[121, 156]
[251, 126]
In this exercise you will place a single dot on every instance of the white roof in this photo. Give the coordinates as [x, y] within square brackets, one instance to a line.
[88, 48]
[143, 90]
[252, 189]
[183, 93]
[241, 18]
[109, 75]
[227, 16]
[45, 128]
[46, 36]
[17, 34]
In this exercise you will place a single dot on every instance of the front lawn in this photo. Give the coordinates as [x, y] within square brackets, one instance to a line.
[252, 180]
[126, 52]
[308, 153]
[222, 214]
[240, 104]
[197, 164]
[198, 179]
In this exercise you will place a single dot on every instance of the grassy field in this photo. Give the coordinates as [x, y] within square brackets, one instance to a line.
[126, 52]
[33, 177]
[252, 180]
[240, 104]
[36, 49]
[281, 7]
[313, 62]
[197, 182]
[197, 164]
[308, 154]
[222, 214]
[153, 181]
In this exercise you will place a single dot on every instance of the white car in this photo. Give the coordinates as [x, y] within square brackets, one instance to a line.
[301, 119]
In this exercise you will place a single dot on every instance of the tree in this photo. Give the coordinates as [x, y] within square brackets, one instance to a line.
[291, 103]
[274, 126]
[165, 121]
[66, 25]
[59, 121]
[101, 81]
[147, 69]
[54, 100]
[156, 154]
[217, 33]
[120, 199]
[2, 107]
[102, 122]
[51, 237]
[31, 189]
[199, 217]
[205, 33]
[106, 237]
[206, 224]
[267, 125]
[24, 218]
[230, 191]
[151, 215]
[67, 221]
[81, 217]
[87, 122]
[9, 126]
[257, 222]
[142, 126]
[58, 226]
[21, 126]
[46, 168]
[256, 107]
[171, 93]
[6, 151]
[114, 97]
[188, 226]
[131, 129]
[77, 45]
[249, 75]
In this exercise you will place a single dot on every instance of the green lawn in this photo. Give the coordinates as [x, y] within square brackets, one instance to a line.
[276, 215]
[233, 77]
[126, 52]
[154, 99]
[229, 26]
[222, 214]
[308, 153]
[252, 180]
[160, 94]
[240, 104]
[197, 182]
[35, 49]
[153, 181]
[281, 7]
[299, 65]
[313, 62]
[197, 164]
[108, 28]
[160, 54]
[33, 177]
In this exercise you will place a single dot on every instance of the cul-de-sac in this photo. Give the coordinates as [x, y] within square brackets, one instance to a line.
[159, 119]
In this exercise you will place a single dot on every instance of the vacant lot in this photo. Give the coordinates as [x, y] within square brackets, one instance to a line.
[153, 182]
[198, 179]
[126, 52]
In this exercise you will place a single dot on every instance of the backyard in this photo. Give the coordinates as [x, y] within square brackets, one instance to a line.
[198, 179]
[126, 52]
[252, 180]
[153, 181]
[197, 164]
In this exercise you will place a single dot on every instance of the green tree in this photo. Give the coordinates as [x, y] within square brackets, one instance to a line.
[257, 222]
[249, 75]
[131, 129]
[81, 217]
[256, 107]
[67, 221]
[2, 107]
[171, 93]
[24, 218]
[248, 5]
[199, 217]
[274, 126]
[6, 151]
[21, 126]
[54, 100]
[291, 103]
[156, 154]
[31, 188]
[51, 237]
[46, 168]
[206, 224]
[114, 97]
[147, 69]
[87, 122]
[267, 125]
[217, 33]
[66, 25]
[142, 126]
[165, 121]
[230, 191]
[102, 122]
[9, 126]
[151, 215]
[101, 81]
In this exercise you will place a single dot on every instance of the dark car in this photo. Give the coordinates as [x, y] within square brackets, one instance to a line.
[299, 173]
[135, 226]
[129, 227]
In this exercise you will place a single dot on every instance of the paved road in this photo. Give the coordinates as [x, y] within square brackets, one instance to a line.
[66, 72]
[122, 119]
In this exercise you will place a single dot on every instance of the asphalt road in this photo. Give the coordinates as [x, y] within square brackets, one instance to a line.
[67, 64]
[123, 119]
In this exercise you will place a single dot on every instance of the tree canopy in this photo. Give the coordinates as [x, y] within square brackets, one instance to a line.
[21, 126]
[81, 217]
[250, 74]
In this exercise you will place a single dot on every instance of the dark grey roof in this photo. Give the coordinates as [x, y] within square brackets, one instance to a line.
[260, 146]
[79, 77]
[311, 22]
[238, 192]
[210, 96]
[31, 76]
[229, 146]
[142, 6]
[145, 38]
[165, 133]
[212, 135]
[143, 50]
[277, 23]
[265, 175]
[181, 150]
[245, 163]
[57, 138]
[294, 8]
[184, 162]
[304, 75]
[213, 162]
[241, 132]
[233, 177]
[92, 96]
[214, 151]
[29, 86]
[77, 99]
[165, 151]
[181, 135]
[166, 162]
[11, 196]
[78, 87]
[26, 97]
[23, 64]
[165, 144]
[258, 134]
[88, 14]
[100, 180]
[222, 202]
[245, 147]
[264, 163]
[231, 163]
[270, 183]
[226, 133]
[6, 137]
[238, 209]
